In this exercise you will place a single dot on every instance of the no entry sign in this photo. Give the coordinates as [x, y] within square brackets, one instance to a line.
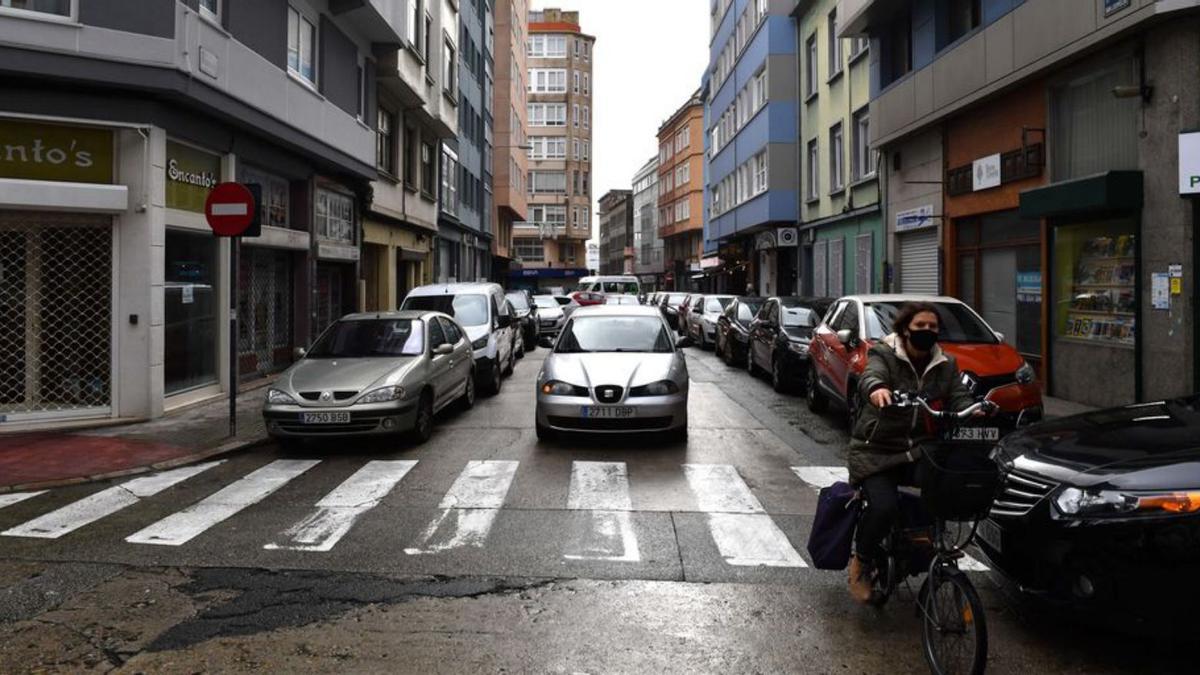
[231, 208]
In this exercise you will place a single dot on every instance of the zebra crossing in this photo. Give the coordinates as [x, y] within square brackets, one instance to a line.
[601, 527]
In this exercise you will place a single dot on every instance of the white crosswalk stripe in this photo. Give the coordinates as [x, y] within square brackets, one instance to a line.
[824, 476]
[469, 509]
[335, 514]
[181, 527]
[104, 503]
[604, 528]
[743, 532]
[18, 497]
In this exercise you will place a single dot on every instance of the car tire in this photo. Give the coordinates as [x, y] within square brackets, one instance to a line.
[423, 426]
[853, 403]
[701, 342]
[545, 433]
[467, 400]
[750, 367]
[512, 359]
[520, 342]
[816, 400]
[779, 380]
[495, 380]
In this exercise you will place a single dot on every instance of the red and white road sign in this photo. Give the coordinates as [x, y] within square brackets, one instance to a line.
[229, 209]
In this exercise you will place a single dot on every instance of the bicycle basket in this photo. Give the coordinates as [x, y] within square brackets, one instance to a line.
[958, 482]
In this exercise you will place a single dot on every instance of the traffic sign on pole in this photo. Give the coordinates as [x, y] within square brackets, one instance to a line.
[230, 209]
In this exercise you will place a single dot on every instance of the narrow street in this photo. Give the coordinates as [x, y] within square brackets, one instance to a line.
[484, 550]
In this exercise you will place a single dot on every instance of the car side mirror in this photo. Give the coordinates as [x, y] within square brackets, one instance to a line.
[503, 321]
[443, 349]
[299, 353]
[845, 337]
[685, 341]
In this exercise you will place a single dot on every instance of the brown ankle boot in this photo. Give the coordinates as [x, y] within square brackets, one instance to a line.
[859, 581]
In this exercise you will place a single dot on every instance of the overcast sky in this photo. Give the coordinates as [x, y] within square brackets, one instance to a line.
[649, 58]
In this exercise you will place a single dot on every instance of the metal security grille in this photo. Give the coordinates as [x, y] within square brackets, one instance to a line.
[265, 300]
[55, 312]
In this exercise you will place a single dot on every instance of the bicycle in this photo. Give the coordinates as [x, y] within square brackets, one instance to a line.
[958, 484]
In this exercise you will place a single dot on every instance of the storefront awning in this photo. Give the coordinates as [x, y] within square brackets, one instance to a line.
[1104, 192]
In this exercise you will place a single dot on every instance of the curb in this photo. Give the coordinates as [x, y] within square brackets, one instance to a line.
[199, 456]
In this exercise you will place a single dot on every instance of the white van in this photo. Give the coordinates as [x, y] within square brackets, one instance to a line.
[485, 313]
[626, 285]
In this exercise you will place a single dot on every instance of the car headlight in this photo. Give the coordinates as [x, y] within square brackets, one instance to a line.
[1076, 502]
[800, 348]
[280, 398]
[383, 395]
[1025, 374]
[481, 343]
[556, 388]
[661, 388]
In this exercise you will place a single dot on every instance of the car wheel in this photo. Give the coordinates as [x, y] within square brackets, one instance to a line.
[816, 400]
[519, 347]
[494, 379]
[545, 433]
[779, 376]
[750, 367]
[512, 358]
[423, 426]
[467, 400]
[853, 403]
[701, 341]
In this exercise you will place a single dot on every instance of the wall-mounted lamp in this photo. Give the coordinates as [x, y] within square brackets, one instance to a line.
[1144, 91]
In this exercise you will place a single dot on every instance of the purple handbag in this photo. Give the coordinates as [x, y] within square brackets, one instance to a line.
[832, 533]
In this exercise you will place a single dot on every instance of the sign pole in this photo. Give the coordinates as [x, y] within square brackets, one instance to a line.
[233, 334]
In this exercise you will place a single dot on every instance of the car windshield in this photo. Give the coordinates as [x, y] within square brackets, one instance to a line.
[716, 305]
[674, 299]
[957, 322]
[373, 338]
[519, 301]
[748, 310]
[544, 301]
[799, 317]
[634, 334]
[620, 287]
[470, 310]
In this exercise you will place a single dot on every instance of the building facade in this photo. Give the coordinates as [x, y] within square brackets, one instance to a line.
[1047, 138]
[465, 218]
[616, 232]
[681, 171]
[647, 244]
[510, 160]
[550, 243]
[116, 121]
[751, 106]
[841, 232]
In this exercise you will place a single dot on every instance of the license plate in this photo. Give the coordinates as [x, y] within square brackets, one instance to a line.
[989, 532]
[325, 418]
[976, 434]
[614, 412]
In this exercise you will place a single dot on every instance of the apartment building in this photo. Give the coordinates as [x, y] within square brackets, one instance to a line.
[681, 168]
[1045, 148]
[465, 227]
[117, 119]
[510, 160]
[751, 103]
[550, 243]
[841, 233]
[616, 232]
[647, 244]
[416, 110]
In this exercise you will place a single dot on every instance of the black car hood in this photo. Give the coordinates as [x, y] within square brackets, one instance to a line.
[1146, 446]
[799, 333]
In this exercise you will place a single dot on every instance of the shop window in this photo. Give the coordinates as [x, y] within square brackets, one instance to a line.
[275, 195]
[1092, 131]
[190, 312]
[335, 216]
[1095, 268]
[962, 17]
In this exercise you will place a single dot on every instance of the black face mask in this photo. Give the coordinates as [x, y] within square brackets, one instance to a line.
[923, 339]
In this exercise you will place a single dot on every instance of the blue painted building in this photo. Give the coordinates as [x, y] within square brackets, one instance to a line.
[751, 106]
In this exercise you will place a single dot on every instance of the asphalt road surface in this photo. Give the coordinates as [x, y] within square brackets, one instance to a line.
[483, 551]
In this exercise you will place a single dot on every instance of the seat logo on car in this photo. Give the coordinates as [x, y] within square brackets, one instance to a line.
[608, 394]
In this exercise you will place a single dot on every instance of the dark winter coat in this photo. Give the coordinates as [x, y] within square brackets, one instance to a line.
[883, 439]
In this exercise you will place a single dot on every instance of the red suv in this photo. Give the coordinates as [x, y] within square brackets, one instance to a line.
[990, 367]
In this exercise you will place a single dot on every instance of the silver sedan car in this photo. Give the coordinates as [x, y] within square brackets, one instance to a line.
[614, 369]
[374, 374]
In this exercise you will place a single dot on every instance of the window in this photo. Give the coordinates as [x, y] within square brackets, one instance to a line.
[586, 149]
[835, 45]
[577, 47]
[302, 45]
[587, 184]
[683, 174]
[529, 249]
[587, 50]
[963, 17]
[667, 184]
[548, 80]
[449, 69]
[410, 157]
[449, 182]
[760, 172]
[548, 147]
[427, 48]
[335, 216]
[760, 90]
[414, 22]
[276, 194]
[575, 114]
[575, 183]
[586, 85]
[814, 182]
[547, 182]
[587, 116]
[60, 7]
[683, 211]
[208, 8]
[864, 156]
[385, 141]
[547, 114]
[837, 153]
[810, 83]
[427, 173]
[576, 78]
[859, 45]
[899, 49]
[682, 139]
[547, 46]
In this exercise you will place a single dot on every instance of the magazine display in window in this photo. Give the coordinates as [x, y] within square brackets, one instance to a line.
[1103, 300]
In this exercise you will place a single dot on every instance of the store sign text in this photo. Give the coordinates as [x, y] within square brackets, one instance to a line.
[915, 219]
[986, 172]
[55, 152]
[191, 174]
[205, 180]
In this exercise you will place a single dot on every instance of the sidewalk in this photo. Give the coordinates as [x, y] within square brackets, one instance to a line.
[39, 460]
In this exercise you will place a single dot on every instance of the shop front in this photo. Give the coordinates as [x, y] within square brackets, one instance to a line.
[395, 259]
[846, 256]
[56, 271]
[335, 233]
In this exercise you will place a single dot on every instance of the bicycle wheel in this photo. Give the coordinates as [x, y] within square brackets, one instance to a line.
[954, 630]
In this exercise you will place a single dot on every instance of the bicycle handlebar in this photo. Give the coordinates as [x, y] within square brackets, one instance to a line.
[903, 399]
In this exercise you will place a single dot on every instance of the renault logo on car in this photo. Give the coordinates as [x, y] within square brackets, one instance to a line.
[326, 396]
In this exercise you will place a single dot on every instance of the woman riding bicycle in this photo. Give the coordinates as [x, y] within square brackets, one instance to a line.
[884, 446]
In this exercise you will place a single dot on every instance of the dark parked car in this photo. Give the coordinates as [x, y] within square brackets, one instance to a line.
[733, 329]
[780, 337]
[670, 308]
[525, 315]
[1102, 511]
